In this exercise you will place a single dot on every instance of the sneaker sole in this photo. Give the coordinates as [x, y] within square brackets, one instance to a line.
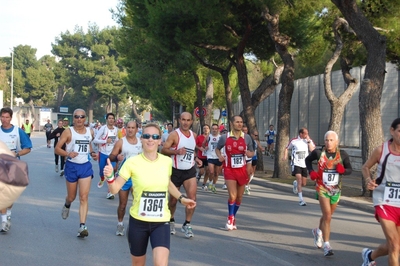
[330, 253]
[83, 234]
[228, 228]
[315, 242]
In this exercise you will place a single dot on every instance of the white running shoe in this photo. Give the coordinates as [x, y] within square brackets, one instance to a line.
[229, 223]
[318, 241]
[204, 188]
[110, 195]
[302, 203]
[83, 232]
[328, 250]
[247, 190]
[100, 184]
[120, 230]
[364, 254]
[56, 168]
[5, 226]
[187, 229]
[65, 212]
[172, 228]
[224, 187]
[295, 187]
[62, 173]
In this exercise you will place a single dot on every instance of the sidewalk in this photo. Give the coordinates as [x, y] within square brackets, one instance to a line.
[352, 181]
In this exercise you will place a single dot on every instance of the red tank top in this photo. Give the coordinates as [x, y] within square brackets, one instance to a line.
[235, 152]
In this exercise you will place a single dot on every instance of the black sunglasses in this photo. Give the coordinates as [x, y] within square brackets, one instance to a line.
[154, 136]
[79, 116]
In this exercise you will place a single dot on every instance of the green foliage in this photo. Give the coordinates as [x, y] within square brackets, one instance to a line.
[92, 64]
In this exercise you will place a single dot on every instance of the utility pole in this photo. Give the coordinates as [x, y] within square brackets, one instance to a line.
[12, 78]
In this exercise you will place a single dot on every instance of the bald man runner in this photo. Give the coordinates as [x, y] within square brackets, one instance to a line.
[180, 145]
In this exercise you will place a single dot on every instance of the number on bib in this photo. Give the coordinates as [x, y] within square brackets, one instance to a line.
[152, 204]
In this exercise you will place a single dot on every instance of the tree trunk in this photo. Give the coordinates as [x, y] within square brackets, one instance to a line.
[208, 103]
[281, 169]
[90, 107]
[338, 104]
[199, 100]
[109, 105]
[228, 95]
[372, 84]
[260, 162]
[225, 77]
[248, 109]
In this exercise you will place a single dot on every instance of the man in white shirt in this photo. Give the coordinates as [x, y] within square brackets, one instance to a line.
[301, 147]
[106, 137]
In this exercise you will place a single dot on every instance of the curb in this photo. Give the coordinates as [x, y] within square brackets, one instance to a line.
[310, 193]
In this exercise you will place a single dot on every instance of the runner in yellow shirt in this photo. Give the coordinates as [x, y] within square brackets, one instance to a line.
[150, 173]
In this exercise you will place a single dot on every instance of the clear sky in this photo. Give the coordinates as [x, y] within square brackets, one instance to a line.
[38, 22]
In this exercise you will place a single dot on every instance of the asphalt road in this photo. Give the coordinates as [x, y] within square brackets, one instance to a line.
[272, 228]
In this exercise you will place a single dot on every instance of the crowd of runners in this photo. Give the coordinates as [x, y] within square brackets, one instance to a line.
[161, 167]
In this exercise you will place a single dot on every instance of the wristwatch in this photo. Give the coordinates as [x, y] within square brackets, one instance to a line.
[180, 198]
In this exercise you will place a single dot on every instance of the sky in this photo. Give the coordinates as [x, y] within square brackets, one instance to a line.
[38, 22]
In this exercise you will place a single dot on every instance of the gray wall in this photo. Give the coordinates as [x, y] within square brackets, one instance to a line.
[311, 109]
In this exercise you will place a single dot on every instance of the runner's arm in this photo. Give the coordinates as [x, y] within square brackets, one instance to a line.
[116, 150]
[171, 140]
[64, 138]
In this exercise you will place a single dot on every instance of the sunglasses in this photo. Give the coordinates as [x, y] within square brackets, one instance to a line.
[154, 136]
[79, 116]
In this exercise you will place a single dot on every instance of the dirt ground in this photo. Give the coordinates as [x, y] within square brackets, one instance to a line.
[346, 191]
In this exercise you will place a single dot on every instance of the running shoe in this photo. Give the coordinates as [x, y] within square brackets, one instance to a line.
[364, 254]
[100, 184]
[5, 226]
[120, 230]
[56, 168]
[62, 173]
[83, 232]
[328, 250]
[302, 203]
[8, 213]
[318, 241]
[229, 223]
[247, 190]
[295, 187]
[110, 195]
[224, 187]
[210, 185]
[65, 212]
[204, 188]
[187, 229]
[172, 228]
[234, 227]
[213, 189]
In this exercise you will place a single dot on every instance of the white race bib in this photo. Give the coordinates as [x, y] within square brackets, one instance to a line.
[330, 178]
[11, 145]
[188, 156]
[81, 146]
[237, 160]
[113, 138]
[392, 193]
[152, 204]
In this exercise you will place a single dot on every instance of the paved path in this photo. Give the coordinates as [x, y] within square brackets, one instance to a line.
[272, 228]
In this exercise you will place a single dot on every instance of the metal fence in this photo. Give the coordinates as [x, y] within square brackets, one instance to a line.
[311, 109]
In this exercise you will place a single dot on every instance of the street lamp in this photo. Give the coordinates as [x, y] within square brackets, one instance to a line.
[12, 78]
